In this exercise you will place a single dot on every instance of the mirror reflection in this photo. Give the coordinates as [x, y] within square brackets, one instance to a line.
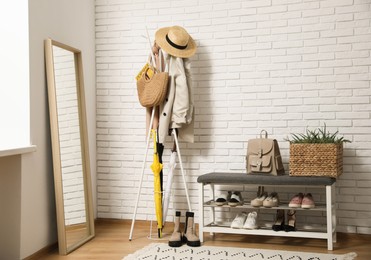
[69, 145]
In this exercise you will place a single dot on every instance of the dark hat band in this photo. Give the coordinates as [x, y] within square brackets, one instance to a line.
[180, 47]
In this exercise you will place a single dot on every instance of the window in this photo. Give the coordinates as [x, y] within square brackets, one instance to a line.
[14, 76]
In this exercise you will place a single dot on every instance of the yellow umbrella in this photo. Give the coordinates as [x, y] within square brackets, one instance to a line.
[156, 168]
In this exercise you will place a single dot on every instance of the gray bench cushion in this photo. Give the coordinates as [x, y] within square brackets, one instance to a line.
[243, 178]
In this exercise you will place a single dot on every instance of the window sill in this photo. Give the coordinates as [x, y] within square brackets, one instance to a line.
[17, 151]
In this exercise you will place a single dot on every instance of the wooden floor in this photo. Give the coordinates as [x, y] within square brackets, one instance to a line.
[112, 242]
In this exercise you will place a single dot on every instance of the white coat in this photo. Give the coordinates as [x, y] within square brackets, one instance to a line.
[177, 109]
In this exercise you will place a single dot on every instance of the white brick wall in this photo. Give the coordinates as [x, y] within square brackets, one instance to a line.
[272, 64]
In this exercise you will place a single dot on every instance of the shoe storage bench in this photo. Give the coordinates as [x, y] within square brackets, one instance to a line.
[224, 178]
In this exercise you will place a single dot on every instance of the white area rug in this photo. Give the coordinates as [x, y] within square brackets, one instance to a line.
[163, 251]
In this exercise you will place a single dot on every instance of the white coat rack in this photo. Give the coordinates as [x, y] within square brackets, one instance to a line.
[174, 133]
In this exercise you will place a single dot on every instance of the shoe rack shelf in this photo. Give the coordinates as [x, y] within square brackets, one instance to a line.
[209, 180]
[211, 203]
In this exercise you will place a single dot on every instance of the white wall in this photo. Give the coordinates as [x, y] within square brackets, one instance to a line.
[70, 22]
[267, 64]
[10, 204]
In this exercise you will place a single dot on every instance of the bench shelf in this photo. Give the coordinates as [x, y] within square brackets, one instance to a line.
[209, 180]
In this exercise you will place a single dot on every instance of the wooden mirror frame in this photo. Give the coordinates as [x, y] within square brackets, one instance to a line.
[64, 248]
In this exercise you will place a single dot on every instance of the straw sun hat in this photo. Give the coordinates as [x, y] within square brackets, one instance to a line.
[176, 41]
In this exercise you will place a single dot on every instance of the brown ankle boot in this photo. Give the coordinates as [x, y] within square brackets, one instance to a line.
[176, 238]
[190, 236]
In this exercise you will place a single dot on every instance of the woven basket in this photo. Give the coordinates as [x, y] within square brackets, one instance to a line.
[316, 160]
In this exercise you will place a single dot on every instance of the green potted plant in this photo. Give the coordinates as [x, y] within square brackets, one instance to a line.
[316, 153]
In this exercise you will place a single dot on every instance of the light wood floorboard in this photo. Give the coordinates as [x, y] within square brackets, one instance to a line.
[112, 242]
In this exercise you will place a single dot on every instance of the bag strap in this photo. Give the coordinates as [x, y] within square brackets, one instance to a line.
[152, 63]
[266, 134]
[260, 152]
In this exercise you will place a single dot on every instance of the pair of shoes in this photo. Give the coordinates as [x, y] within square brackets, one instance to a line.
[302, 201]
[258, 201]
[232, 198]
[247, 221]
[189, 236]
[266, 201]
[280, 221]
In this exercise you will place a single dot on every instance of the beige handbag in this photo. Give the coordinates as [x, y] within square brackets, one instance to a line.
[152, 87]
[263, 156]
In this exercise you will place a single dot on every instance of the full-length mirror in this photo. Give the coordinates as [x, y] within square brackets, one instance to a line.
[71, 166]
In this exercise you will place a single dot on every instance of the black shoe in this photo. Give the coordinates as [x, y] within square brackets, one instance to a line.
[291, 221]
[280, 220]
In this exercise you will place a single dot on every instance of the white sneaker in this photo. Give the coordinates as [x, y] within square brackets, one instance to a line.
[250, 222]
[239, 220]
